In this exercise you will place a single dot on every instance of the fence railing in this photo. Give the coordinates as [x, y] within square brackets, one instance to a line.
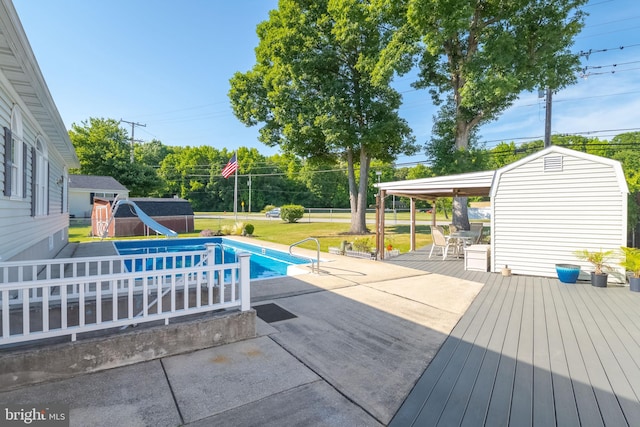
[57, 297]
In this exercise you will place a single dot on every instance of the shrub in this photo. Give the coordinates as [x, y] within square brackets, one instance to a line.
[362, 244]
[248, 229]
[291, 213]
[226, 230]
[238, 228]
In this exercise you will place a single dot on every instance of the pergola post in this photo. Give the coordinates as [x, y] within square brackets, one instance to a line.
[413, 224]
[380, 225]
[433, 212]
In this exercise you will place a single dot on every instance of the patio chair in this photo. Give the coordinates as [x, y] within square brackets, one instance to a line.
[477, 227]
[439, 241]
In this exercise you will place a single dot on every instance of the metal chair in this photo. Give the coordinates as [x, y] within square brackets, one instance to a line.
[477, 227]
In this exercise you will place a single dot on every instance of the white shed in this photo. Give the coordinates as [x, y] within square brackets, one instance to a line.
[544, 207]
[551, 203]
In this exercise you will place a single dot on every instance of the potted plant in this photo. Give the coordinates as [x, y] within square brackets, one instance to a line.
[599, 261]
[567, 273]
[631, 262]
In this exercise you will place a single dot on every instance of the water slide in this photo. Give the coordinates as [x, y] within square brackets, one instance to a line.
[146, 219]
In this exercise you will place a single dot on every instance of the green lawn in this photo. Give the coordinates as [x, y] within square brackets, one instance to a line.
[276, 231]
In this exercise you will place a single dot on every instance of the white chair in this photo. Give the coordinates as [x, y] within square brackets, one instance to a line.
[439, 241]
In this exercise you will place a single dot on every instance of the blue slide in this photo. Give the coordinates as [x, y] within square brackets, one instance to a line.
[147, 220]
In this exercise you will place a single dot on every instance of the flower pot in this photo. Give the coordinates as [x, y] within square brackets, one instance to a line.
[567, 273]
[599, 280]
[634, 284]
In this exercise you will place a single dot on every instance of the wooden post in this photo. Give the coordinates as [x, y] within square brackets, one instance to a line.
[433, 212]
[383, 194]
[378, 223]
[413, 225]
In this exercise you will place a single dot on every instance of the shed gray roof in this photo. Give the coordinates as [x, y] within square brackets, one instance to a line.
[156, 207]
[94, 182]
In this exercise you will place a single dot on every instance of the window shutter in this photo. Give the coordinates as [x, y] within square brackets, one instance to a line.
[7, 162]
[48, 180]
[25, 161]
[34, 189]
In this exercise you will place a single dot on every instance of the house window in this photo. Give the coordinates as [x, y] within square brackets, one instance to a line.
[41, 174]
[16, 155]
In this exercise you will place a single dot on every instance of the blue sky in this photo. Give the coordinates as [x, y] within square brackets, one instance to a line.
[167, 64]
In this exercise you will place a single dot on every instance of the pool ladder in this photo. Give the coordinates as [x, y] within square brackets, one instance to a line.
[317, 260]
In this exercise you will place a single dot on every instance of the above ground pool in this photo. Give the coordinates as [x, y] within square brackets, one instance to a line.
[265, 263]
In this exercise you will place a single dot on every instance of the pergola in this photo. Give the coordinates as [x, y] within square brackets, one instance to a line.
[430, 189]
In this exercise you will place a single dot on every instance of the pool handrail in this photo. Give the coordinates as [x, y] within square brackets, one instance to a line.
[311, 259]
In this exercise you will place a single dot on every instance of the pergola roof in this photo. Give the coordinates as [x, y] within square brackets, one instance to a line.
[465, 184]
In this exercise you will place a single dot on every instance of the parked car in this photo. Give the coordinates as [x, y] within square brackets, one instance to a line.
[273, 213]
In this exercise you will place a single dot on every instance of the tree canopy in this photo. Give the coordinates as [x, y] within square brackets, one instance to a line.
[481, 55]
[312, 89]
[103, 148]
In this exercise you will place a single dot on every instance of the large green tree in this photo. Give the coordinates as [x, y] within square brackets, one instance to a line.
[312, 89]
[103, 148]
[482, 54]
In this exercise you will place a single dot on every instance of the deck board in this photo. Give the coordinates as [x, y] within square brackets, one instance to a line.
[543, 405]
[531, 351]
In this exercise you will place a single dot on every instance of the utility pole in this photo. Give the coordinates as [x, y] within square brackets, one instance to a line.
[547, 121]
[133, 128]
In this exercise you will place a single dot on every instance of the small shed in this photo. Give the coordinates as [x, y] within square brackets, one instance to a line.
[175, 214]
[544, 207]
[550, 204]
[84, 188]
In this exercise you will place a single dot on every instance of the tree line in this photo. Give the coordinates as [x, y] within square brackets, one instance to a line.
[194, 173]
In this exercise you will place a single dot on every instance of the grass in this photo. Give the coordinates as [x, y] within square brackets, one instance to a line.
[327, 233]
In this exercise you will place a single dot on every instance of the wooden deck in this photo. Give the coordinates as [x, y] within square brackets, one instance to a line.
[531, 351]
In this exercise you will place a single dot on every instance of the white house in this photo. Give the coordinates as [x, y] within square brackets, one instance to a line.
[83, 189]
[35, 152]
[544, 207]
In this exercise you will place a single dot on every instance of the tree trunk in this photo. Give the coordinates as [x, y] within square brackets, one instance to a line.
[358, 192]
[459, 212]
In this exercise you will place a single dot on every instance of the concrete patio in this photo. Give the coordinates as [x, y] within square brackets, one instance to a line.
[363, 334]
[408, 341]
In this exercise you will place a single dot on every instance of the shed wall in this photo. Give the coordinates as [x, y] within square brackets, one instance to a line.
[541, 217]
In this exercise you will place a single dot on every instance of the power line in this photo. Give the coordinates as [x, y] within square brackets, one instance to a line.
[133, 127]
[589, 52]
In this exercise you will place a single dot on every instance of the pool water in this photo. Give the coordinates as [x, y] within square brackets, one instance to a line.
[264, 262]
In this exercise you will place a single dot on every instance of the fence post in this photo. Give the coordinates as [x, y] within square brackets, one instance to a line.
[245, 280]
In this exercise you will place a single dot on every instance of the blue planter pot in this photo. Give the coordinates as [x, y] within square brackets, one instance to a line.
[567, 273]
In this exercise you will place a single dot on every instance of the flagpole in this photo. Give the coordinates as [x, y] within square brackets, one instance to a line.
[235, 190]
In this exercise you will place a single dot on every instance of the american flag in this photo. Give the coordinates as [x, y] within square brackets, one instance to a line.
[231, 167]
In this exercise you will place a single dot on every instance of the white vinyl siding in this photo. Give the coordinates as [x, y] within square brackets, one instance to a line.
[541, 214]
[21, 234]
